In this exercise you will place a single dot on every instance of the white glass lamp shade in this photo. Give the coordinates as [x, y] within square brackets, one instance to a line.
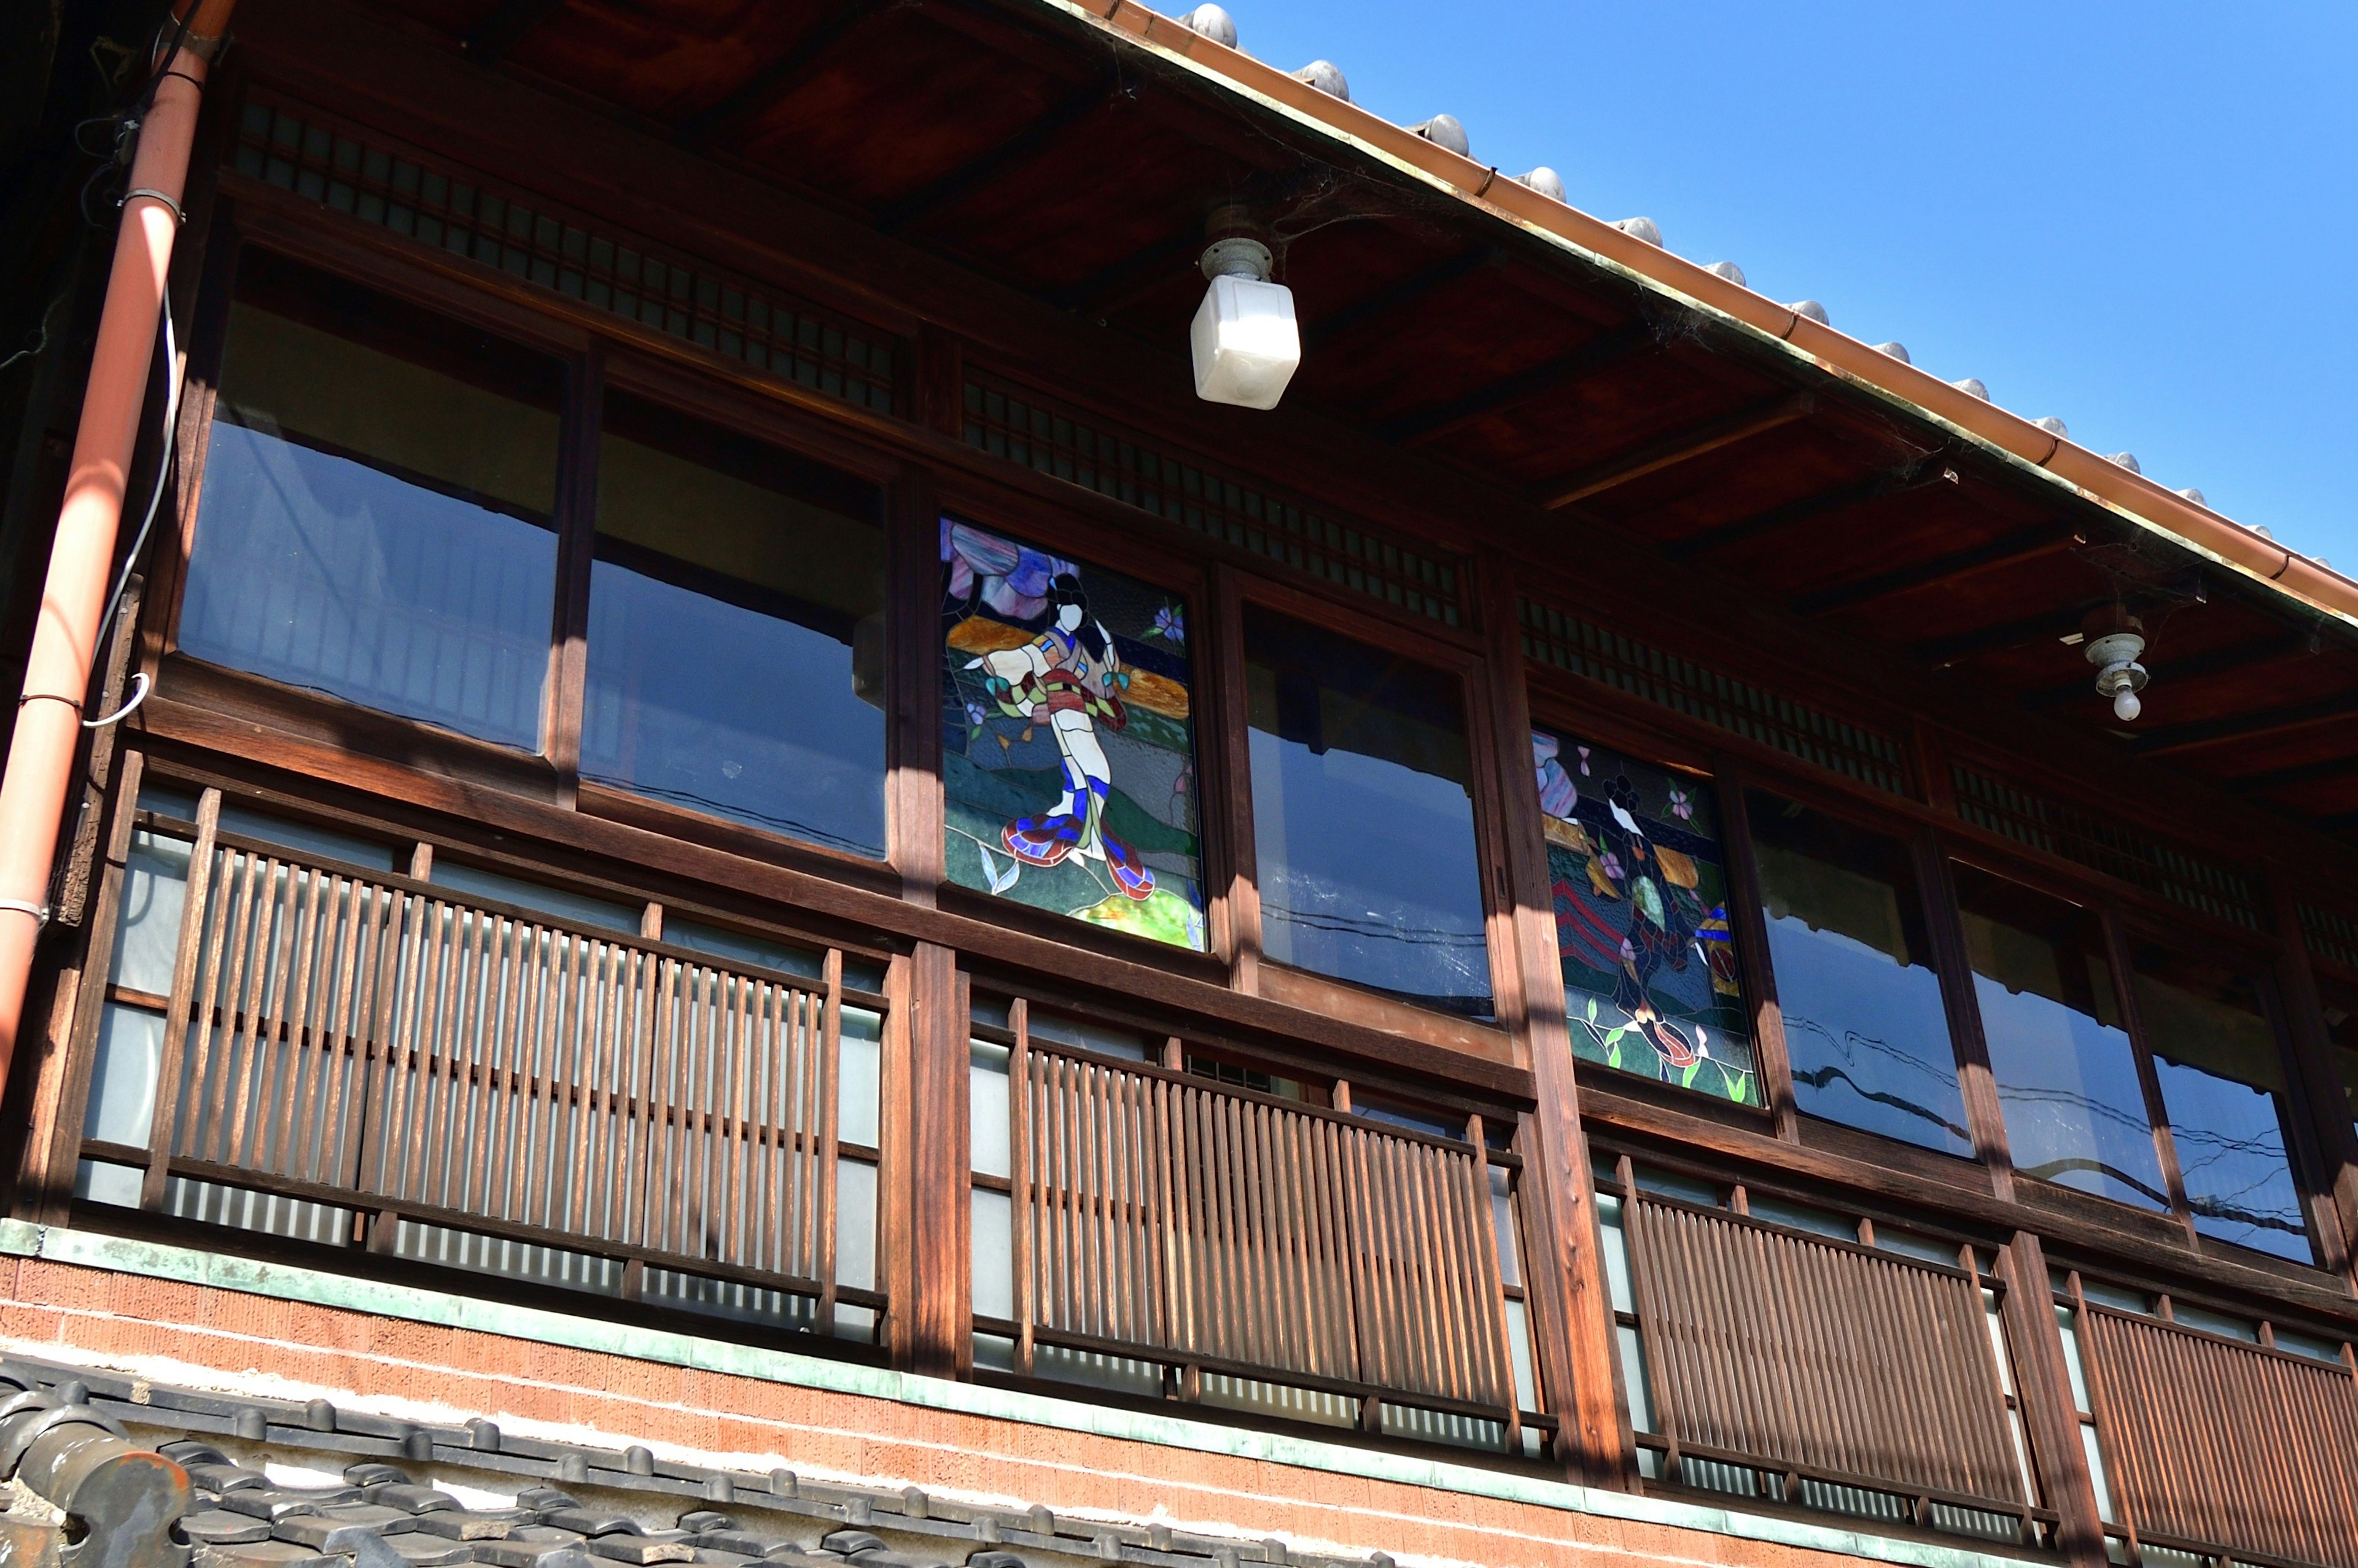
[1246, 344]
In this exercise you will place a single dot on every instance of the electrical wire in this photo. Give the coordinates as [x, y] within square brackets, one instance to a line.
[163, 471]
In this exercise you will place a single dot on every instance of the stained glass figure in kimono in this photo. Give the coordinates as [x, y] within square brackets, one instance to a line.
[1068, 746]
[1640, 900]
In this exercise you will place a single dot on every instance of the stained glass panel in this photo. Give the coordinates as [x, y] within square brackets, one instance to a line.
[1650, 974]
[1069, 741]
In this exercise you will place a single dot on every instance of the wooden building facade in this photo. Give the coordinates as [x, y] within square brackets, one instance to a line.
[731, 751]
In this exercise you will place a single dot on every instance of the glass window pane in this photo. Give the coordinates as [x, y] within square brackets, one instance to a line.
[2222, 1085]
[1862, 1004]
[377, 516]
[736, 659]
[2066, 1075]
[1641, 896]
[1069, 738]
[1363, 815]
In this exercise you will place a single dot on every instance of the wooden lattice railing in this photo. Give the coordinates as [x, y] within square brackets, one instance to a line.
[1806, 1358]
[1163, 1218]
[2217, 1448]
[382, 1045]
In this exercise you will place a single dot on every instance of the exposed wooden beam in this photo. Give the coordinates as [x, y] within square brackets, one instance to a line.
[1123, 283]
[780, 76]
[1407, 291]
[1679, 447]
[2204, 732]
[2284, 778]
[1592, 357]
[2198, 667]
[505, 27]
[1941, 652]
[972, 175]
[1933, 470]
[2005, 550]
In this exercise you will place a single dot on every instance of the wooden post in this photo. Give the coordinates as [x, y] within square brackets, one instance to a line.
[926, 1265]
[2325, 1100]
[913, 684]
[1748, 928]
[2050, 1421]
[1571, 1311]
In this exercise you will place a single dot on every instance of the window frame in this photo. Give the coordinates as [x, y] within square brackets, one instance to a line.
[1306, 988]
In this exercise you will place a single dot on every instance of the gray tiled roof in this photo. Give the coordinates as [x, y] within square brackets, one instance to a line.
[574, 1506]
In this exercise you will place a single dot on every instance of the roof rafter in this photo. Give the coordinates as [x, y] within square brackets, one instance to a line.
[780, 76]
[1407, 291]
[1934, 469]
[971, 176]
[2005, 550]
[1593, 357]
[1679, 447]
[2244, 726]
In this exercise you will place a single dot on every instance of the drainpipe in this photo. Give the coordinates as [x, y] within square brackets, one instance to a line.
[57, 675]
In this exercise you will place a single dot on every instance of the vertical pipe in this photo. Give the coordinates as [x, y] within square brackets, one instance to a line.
[73, 599]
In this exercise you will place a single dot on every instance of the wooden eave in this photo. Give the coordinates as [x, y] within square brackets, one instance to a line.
[1483, 366]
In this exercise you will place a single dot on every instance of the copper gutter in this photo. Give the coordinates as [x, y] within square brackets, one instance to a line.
[73, 599]
[2139, 499]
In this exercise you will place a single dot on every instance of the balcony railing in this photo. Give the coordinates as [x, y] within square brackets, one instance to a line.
[1810, 1368]
[1163, 1221]
[2217, 1449]
[395, 1059]
[439, 1068]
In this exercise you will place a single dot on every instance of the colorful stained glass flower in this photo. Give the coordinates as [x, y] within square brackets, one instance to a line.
[1612, 864]
[1583, 760]
[1682, 805]
[1170, 624]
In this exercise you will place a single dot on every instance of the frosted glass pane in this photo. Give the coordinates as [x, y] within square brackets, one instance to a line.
[2096, 1472]
[1502, 1224]
[2065, 1320]
[1633, 1379]
[858, 1067]
[1616, 1254]
[147, 931]
[855, 1224]
[986, 1108]
[97, 1181]
[1518, 1345]
[994, 1254]
[122, 1106]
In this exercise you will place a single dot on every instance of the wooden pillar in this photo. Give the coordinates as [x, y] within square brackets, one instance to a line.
[1571, 1309]
[2043, 1384]
[926, 1268]
[912, 679]
[2320, 1092]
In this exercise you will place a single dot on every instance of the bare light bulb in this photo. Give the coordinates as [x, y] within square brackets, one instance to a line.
[2126, 706]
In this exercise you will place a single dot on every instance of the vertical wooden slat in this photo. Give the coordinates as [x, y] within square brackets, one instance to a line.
[197, 919]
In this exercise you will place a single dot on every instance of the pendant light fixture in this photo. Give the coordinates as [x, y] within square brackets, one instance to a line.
[1245, 341]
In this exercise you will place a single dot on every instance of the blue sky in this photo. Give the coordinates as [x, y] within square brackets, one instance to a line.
[2139, 218]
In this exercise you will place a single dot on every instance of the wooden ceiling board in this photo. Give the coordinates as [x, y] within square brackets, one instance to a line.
[1639, 400]
[1077, 204]
[822, 135]
[664, 60]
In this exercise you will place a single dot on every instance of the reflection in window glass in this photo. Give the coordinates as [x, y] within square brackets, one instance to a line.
[379, 496]
[1640, 899]
[1068, 738]
[1363, 815]
[2067, 1077]
[2222, 1085]
[1854, 980]
[736, 630]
